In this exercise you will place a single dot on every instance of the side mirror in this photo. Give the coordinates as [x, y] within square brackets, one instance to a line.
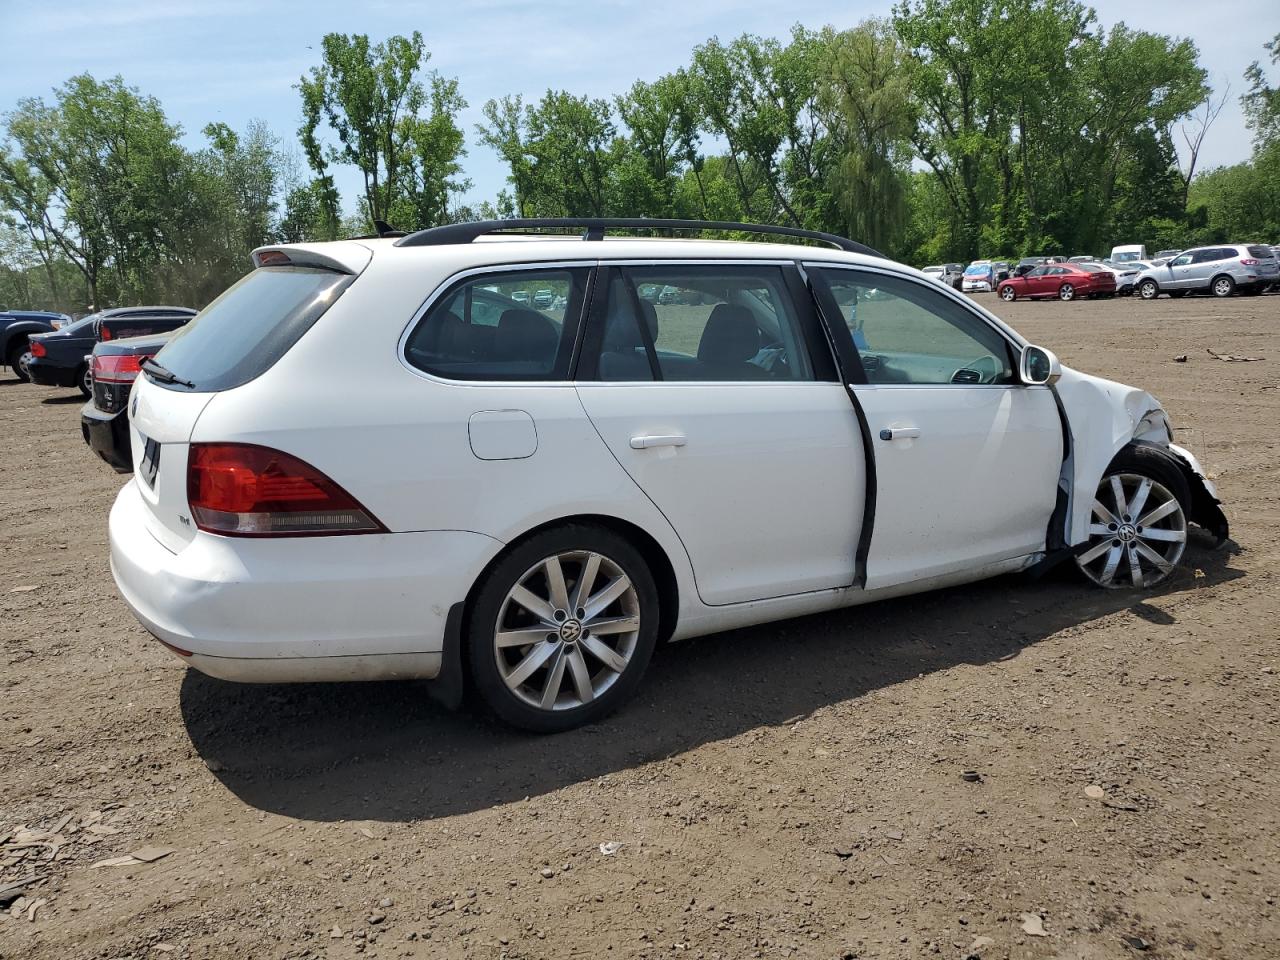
[1039, 366]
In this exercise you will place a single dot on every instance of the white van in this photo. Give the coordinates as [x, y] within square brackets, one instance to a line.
[1132, 251]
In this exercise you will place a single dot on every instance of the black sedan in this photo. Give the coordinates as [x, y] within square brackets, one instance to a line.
[59, 359]
[104, 420]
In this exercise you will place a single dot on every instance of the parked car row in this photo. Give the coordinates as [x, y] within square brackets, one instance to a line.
[1220, 270]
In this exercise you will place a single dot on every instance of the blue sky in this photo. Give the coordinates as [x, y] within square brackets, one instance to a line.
[236, 60]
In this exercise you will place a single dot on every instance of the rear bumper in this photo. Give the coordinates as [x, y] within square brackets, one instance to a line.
[52, 375]
[300, 609]
[107, 435]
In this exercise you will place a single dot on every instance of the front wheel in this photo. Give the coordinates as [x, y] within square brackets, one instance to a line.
[1148, 290]
[1066, 292]
[562, 628]
[1223, 286]
[1008, 294]
[1138, 530]
[19, 359]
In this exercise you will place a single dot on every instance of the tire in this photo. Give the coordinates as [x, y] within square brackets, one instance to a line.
[1251, 291]
[1222, 286]
[582, 675]
[19, 355]
[84, 381]
[1148, 290]
[1008, 294]
[1066, 293]
[1138, 548]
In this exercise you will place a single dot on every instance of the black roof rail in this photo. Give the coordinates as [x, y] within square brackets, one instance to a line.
[594, 229]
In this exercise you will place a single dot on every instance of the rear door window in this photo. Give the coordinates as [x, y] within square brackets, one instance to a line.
[1263, 253]
[249, 327]
[510, 325]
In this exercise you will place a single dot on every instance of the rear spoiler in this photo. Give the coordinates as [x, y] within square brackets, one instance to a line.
[342, 256]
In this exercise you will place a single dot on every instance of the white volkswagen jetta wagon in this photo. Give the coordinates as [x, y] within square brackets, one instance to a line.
[518, 462]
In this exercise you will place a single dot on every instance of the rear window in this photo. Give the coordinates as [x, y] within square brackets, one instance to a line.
[250, 326]
[1259, 251]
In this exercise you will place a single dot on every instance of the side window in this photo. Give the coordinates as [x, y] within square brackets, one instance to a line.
[907, 333]
[1183, 260]
[702, 323]
[512, 325]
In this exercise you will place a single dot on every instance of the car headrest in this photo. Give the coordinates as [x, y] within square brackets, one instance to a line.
[526, 335]
[731, 335]
[622, 334]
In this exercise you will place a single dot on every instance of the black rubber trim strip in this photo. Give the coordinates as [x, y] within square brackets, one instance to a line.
[594, 229]
[849, 366]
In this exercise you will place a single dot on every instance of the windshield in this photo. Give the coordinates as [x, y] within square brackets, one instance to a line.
[977, 270]
[252, 325]
[1124, 257]
[83, 325]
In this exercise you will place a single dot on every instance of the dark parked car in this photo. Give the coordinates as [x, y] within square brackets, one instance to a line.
[1026, 265]
[16, 326]
[104, 420]
[58, 359]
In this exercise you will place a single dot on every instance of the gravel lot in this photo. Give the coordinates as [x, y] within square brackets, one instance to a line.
[790, 790]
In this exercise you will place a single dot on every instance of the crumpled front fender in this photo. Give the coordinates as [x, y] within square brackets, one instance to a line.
[1104, 417]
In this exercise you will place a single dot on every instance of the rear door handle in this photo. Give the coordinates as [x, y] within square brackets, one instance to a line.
[671, 440]
[899, 433]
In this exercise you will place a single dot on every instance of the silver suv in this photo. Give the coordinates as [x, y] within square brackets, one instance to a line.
[1220, 270]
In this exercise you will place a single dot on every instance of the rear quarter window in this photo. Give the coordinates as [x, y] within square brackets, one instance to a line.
[1262, 252]
[251, 325]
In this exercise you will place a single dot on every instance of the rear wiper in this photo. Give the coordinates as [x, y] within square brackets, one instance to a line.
[164, 374]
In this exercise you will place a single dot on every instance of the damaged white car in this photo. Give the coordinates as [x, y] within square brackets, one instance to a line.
[384, 458]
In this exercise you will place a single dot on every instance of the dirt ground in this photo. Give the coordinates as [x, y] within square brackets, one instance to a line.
[794, 789]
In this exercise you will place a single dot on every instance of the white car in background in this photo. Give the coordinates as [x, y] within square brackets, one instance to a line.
[374, 459]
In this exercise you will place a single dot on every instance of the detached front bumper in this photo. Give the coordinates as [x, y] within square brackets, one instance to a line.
[296, 609]
[107, 435]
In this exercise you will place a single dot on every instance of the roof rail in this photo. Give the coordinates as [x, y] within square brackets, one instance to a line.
[382, 230]
[594, 229]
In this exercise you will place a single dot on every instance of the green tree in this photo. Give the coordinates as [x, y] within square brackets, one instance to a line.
[401, 134]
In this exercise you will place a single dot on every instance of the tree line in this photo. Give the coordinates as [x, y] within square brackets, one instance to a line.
[949, 130]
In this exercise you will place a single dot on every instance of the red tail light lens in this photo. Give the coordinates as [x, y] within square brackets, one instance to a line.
[1248, 262]
[37, 348]
[111, 369]
[104, 332]
[244, 490]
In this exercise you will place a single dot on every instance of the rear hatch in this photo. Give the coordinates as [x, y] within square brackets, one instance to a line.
[1267, 265]
[235, 339]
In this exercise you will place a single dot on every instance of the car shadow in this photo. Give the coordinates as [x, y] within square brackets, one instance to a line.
[64, 400]
[386, 751]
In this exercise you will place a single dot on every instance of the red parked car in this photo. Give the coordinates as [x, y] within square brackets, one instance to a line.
[1063, 281]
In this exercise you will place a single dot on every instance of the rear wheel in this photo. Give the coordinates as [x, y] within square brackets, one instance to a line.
[85, 382]
[1008, 294]
[1148, 290]
[1138, 530]
[1066, 292]
[18, 359]
[562, 628]
[1222, 286]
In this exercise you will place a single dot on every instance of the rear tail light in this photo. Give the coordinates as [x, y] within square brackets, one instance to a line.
[111, 369]
[244, 490]
[37, 348]
[1248, 262]
[104, 332]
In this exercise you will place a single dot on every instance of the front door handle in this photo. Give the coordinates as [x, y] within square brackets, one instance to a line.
[899, 433]
[670, 440]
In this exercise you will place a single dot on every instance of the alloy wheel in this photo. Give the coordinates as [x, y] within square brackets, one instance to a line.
[1136, 540]
[567, 630]
[86, 382]
[1148, 290]
[1222, 287]
[24, 363]
[1007, 294]
[1066, 292]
